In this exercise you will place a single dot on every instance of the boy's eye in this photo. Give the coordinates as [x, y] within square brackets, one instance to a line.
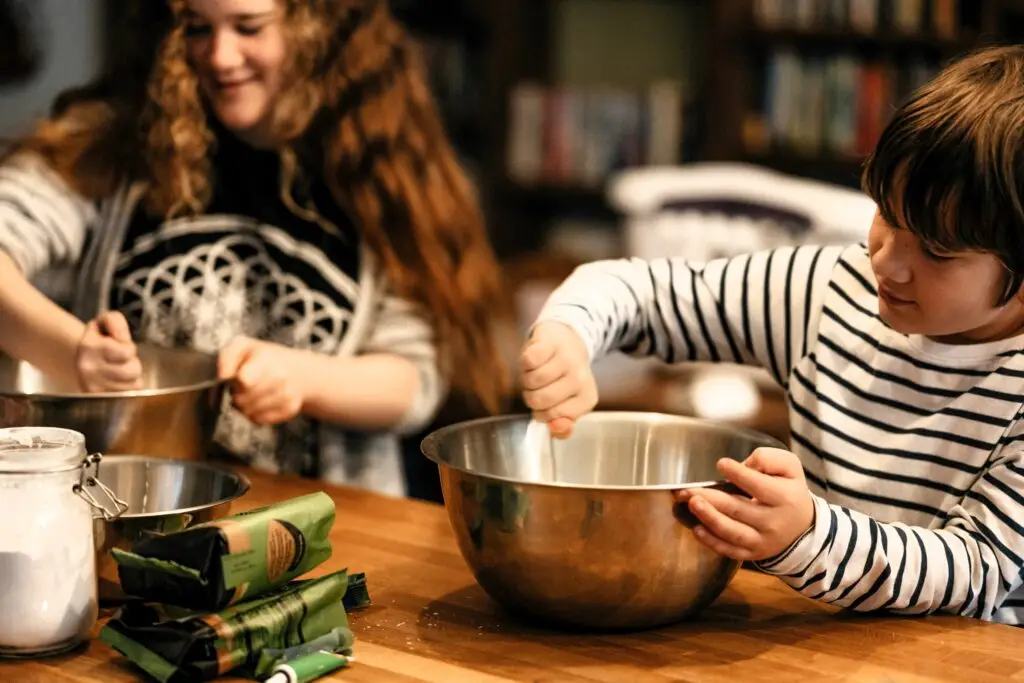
[936, 255]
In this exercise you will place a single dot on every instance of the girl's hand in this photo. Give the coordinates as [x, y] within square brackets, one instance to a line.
[107, 358]
[265, 387]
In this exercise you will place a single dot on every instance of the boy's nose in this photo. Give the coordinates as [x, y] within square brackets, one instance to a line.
[890, 262]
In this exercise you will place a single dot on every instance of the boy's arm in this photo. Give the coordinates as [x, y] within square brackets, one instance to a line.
[967, 567]
[42, 222]
[759, 308]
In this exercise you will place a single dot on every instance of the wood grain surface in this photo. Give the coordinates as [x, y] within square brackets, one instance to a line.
[430, 622]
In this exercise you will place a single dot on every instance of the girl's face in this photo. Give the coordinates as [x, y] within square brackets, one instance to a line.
[947, 297]
[237, 48]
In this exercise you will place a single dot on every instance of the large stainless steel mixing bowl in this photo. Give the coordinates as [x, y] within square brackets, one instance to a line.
[162, 496]
[582, 532]
[173, 416]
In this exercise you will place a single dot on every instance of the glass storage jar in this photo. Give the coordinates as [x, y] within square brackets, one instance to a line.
[48, 601]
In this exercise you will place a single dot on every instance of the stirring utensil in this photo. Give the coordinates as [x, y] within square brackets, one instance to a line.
[536, 443]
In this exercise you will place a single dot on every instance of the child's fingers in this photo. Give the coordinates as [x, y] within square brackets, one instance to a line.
[122, 373]
[282, 411]
[561, 427]
[253, 403]
[763, 487]
[739, 508]
[536, 353]
[572, 408]
[719, 546]
[252, 371]
[114, 325]
[117, 352]
[232, 356]
[775, 462]
[122, 385]
[552, 395]
[270, 405]
[722, 526]
[544, 374]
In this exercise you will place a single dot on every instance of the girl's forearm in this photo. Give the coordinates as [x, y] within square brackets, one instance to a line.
[33, 328]
[371, 392]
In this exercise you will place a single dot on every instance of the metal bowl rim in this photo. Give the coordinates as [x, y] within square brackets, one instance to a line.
[649, 417]
[51, 397]
[243, 482]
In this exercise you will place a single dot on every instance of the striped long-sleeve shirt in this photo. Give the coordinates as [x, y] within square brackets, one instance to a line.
[913, 450]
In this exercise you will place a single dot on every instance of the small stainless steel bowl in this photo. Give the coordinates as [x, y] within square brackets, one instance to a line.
[163, 496]
[173, 416]
[582, 532]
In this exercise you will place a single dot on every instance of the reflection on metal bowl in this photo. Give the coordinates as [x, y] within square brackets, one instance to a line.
[173, 416]
[163, 496]
[582, 532]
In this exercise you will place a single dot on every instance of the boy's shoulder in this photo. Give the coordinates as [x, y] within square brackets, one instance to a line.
[833, 260]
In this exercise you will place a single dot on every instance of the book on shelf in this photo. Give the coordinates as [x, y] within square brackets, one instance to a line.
[834, 106]
[931, 17]
[577, 136]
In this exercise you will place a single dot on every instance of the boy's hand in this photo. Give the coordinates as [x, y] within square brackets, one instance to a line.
[107, 358]
[265, 388]
[558, 384]
[781, 509]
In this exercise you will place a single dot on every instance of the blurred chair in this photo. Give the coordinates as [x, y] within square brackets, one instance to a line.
[708, 210]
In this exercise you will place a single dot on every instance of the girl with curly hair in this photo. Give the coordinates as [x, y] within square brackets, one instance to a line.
[268, 180]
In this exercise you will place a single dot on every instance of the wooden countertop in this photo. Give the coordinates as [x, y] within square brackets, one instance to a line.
[430, 622]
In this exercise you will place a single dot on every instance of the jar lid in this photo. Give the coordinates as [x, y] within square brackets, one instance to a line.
[40, 449]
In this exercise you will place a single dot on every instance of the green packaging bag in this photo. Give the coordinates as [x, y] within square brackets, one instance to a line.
[219, 563]
[176, 646]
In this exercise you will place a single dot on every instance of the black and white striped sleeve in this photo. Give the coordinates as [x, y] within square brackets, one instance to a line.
[755, 309]
[968, 566]
[42, 220]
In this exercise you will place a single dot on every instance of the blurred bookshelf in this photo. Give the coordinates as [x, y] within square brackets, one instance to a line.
[820, 78]
[801, 86]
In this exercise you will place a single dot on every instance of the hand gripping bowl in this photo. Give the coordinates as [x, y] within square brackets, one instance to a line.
[173, 416]
[163, 496]
[581, 532]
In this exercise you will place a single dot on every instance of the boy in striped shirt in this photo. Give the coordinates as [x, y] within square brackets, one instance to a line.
[902, 361]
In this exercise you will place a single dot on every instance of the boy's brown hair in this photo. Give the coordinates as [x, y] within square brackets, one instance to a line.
[949, 166]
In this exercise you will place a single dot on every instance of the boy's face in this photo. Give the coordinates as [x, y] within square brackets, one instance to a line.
[949, 297]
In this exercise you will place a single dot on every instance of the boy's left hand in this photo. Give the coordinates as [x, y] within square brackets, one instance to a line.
[265, 383]
[779, 511]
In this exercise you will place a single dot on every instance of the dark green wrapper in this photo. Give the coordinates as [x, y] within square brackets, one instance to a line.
[175, 646]
[220, 563]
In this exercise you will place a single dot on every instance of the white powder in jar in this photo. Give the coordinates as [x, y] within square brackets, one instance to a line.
[47, 563]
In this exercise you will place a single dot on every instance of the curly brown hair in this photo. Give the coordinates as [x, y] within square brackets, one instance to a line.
[357, 109]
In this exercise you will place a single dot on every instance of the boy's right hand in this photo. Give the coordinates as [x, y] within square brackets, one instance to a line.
[107, 358]
[558, 384]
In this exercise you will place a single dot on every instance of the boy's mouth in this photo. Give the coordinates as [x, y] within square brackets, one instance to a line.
[892, 299]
